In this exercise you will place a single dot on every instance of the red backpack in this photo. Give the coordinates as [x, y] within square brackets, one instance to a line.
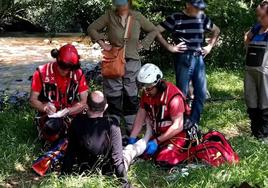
[214, 150]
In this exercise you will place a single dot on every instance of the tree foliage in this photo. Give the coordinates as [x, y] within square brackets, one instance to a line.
[234, 17]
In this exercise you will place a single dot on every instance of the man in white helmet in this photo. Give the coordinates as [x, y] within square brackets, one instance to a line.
[165, 106]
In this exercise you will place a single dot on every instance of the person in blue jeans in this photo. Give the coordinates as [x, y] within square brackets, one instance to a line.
[188, 28]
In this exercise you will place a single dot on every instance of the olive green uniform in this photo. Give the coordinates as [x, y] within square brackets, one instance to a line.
[122, 93]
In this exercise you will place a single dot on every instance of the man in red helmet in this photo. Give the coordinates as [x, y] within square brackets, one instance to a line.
[59, 91]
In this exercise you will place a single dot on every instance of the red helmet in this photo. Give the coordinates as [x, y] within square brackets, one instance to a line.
[67, 57]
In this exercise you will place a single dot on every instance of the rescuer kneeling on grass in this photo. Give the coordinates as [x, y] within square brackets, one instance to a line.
[165, 106]
[59, 91]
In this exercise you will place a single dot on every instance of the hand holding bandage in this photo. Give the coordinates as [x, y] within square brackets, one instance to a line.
[60, 114]
[49, 108]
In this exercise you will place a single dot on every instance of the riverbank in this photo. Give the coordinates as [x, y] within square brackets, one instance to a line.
[22, 53]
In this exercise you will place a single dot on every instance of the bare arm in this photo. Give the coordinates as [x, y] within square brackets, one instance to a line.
[248, 36]
[160, 38]
[38, 105]
[174, 49]
[139, 121]
[175, 129]
[212, 41]
[214, 37]
[80, 106]
[176, 109]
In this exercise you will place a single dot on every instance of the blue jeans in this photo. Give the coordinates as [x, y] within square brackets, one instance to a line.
[188, 68]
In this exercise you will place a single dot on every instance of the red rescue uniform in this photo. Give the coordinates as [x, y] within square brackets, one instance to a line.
[160, 109]
[61, 91]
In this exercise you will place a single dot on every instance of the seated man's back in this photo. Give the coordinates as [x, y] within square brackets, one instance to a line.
[93, 133]
[95, 141]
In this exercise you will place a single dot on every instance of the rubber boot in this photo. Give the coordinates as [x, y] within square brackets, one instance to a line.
[264, 123]
[255, 118]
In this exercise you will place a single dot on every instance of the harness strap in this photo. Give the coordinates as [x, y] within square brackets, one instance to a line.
[165, 102]
[164, 99]
[49, 77]
[257, 32]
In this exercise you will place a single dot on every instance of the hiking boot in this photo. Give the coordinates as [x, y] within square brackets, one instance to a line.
[256, 120]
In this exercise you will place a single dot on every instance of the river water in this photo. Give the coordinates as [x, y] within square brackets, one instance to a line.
[20, 55]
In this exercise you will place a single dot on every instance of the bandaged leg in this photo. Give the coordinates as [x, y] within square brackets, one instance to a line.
[132, 151]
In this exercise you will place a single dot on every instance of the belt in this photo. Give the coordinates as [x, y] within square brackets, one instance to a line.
[194, 53]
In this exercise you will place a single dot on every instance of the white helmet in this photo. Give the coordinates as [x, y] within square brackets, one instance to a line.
[149, 75]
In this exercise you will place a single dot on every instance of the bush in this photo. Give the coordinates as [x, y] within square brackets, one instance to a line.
[234, 17]
[53, 15]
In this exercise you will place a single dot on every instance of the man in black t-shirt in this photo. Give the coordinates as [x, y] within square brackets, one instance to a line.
[95, 141]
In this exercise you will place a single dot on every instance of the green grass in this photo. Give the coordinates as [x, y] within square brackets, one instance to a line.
[226, 112]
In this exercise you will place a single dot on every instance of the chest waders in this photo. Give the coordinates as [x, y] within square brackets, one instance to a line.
[256, 87]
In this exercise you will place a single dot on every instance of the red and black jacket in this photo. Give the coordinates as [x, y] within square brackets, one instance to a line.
[158, 111]
[50, 91]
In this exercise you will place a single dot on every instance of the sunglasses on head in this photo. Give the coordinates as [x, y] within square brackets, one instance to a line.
[148, 89]
[68, 66]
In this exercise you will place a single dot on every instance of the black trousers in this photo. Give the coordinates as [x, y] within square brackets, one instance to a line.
[122, 94]
[259, 122]
[51, 129]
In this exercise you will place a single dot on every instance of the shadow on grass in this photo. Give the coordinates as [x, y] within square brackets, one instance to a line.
[222, 115]
[22, 179]
[222, 84]
[217, 95]
[17, 147]
[251, 169]
[228, 116]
